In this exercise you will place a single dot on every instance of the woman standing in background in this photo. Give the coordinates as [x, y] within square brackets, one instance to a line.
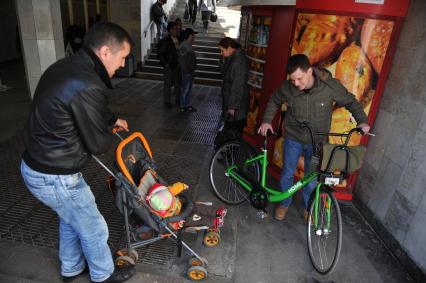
[234, 89]
[207, 7]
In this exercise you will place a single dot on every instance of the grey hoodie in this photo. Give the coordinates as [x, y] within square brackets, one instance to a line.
[187, 58]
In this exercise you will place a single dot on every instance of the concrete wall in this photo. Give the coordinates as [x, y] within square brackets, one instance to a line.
[126, 13]
[8, 24]
[42, 39]
[392, 182]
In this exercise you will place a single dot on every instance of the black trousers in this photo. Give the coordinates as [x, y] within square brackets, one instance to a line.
[192, 5]
[172, 77]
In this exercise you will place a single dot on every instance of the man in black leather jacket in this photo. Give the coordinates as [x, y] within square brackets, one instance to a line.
[168, 55]
[69, 121]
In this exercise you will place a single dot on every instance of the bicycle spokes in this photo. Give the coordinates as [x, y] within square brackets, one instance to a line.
[324, 232]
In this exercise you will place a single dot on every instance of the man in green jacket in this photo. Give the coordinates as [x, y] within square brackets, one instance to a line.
[309, 95]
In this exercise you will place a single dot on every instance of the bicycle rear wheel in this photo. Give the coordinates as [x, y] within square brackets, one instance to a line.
[325, 238]
[231, 153]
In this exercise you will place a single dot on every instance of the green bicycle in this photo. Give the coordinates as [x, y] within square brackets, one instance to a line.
[238, 173]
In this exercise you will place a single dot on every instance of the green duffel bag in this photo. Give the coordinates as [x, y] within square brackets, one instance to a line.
[355, 154]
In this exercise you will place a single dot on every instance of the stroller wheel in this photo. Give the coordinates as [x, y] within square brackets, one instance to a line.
[124, 261]
[211, 239]
[197, 273]
[132, 253]
[195, 261]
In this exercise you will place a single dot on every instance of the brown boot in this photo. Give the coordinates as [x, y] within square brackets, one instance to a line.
[280, 212]
[305, 215]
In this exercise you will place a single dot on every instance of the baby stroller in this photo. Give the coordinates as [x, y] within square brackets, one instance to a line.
[134, 162]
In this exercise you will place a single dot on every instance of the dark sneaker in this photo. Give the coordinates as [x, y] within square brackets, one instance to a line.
[121, 274]
[191, 109]
[167, 105]
[182, 110]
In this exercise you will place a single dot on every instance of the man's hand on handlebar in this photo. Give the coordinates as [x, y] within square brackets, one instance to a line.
[121, 125]
[365, 128]
[264, 128]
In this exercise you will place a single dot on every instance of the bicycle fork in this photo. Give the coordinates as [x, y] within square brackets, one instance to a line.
[322, 228]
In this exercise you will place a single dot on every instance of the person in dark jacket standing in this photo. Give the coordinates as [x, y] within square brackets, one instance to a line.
[309, 95]
[188, 63]
[168, 55]
[159, 17]
[234, 89]
[180, 35]
[68, 123]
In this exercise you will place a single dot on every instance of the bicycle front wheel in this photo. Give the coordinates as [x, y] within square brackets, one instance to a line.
[232, 153]
[324, 236]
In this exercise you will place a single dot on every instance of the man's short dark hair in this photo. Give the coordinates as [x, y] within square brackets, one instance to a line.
[104, 33]
[178, 20]
[170, 25]
[298, 61]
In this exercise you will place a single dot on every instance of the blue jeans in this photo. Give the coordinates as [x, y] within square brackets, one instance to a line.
[83, 232]
[161, 28]
[187, 80]
[292, 151]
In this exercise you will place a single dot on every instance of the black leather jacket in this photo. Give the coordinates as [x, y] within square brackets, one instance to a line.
[167, 52]
[69, 119]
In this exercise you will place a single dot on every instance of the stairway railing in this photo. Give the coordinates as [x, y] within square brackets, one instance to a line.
[150, 31]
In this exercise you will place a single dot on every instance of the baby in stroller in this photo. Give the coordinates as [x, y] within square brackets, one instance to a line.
[164, 201]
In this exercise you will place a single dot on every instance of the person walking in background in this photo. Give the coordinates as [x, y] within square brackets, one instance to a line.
[206, 7]
[188, 63]
[192, 8]
[234, 89]
[168, 55]
[159, 18]
[312, 93]
[68, 123]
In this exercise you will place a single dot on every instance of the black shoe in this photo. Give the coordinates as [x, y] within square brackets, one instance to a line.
[167, 105]
[182, 110]
[121, 274]
[71, 278]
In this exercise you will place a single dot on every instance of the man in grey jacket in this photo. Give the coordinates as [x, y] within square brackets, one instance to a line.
[188, 63]
[309, 96]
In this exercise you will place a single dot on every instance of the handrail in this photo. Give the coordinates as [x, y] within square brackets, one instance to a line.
[148, 27]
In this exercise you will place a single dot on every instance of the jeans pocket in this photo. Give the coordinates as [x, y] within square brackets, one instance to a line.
[77, 190]
[43, 190]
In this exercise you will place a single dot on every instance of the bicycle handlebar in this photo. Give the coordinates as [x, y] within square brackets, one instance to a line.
[312, 133]
[346, 135]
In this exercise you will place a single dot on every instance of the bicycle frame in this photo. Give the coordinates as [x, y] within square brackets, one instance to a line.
[273, 194]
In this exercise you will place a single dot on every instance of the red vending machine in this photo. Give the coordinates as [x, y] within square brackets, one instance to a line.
[354, 39]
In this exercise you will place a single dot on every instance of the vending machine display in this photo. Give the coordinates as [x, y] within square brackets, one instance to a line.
[256, 51]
